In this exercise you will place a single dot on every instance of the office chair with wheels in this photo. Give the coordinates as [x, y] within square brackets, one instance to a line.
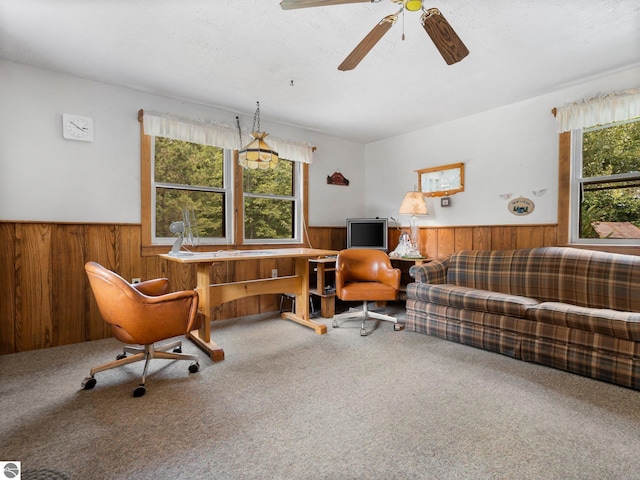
[142, 314]
[366, 275]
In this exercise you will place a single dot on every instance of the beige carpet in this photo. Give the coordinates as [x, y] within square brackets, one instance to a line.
[289, 404]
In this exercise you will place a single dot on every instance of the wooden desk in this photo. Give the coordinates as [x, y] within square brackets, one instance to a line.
[216, 294]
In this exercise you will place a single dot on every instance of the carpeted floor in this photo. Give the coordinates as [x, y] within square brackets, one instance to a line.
[289, 404]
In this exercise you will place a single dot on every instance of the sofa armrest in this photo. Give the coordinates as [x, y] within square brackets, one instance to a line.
[434, 272]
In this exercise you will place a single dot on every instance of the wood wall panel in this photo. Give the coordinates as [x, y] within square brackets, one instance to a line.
[438, 242]
[331, 238]
[34, 316]
[68, 298]
[463, 238]
[481, 238]
[432, 241]
[45, 299]
[8, 311]
[103, 248]
[503, 238]
[528, 236]
[446, 241]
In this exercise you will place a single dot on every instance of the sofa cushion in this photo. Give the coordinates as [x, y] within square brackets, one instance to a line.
[597, 320]
[554, 274]
[473, 299]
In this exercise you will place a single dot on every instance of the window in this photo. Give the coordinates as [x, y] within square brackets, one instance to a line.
[188, 177]
[192, 177]
[598, 182]
[271, 204]
[605, 186]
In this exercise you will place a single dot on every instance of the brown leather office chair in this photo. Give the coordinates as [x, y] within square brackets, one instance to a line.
[366, 275]
[142, 314]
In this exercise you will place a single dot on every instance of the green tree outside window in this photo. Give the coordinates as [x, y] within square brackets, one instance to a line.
[610, 183]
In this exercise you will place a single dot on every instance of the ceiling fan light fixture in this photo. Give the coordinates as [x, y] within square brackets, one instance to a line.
[413, 5]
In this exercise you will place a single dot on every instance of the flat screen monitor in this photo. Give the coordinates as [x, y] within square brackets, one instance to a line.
[367, 233]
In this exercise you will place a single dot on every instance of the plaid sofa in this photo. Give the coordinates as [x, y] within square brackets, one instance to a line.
[576, 310]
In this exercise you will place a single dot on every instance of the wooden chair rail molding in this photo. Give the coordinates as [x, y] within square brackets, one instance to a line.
[46, 300]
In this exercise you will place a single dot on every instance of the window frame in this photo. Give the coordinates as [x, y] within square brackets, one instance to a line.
[577, 185]
[569, 147]
[297, 207]
[227, 190]
[234, 211]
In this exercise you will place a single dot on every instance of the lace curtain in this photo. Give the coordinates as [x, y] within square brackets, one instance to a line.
[217, 135]
[614, 107]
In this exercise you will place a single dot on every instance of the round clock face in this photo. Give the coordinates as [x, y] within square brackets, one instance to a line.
[76, 127]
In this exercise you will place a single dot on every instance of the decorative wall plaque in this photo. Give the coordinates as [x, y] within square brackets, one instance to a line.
[521, 206]
[337, 179]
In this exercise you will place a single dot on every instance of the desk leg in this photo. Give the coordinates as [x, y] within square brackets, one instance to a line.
[202, 337]
[301, 314]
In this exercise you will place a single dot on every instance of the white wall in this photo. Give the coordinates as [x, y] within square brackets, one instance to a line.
[513, 149]
[44, 177]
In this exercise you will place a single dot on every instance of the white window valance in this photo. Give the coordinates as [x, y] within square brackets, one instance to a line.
[206, 132]
[613, 107]
[296, 151]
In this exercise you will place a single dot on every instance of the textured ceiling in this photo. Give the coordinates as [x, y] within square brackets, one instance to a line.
[231, 53]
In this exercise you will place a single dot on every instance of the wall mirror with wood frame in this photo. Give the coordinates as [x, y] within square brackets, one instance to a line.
[441, 181]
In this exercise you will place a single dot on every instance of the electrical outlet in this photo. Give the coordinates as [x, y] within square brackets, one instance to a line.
[135, 280]
[274, 272]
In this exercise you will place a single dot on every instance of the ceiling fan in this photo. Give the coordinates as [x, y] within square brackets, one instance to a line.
[442, 34]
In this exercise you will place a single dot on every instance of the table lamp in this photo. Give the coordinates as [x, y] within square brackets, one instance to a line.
[413, 204]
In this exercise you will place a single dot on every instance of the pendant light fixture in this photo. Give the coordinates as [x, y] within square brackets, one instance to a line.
[257, 153]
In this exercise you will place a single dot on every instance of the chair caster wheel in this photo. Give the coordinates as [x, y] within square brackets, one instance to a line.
[139, 391]
[363, 332]
[334, 324]
[121, 356]
[88, 383]
[194, 367]
[397, 327]
[177, 350]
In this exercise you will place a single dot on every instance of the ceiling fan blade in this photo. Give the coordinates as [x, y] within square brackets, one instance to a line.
[291, 4]
[368, 42]
[444, 38]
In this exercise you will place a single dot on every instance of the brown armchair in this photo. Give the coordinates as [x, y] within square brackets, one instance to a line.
[142, 314]
[366, 275]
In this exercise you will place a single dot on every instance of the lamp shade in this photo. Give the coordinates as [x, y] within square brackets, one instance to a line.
[413, 204]
[258, 154]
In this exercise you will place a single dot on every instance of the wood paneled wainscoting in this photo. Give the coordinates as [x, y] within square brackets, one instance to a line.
[437, 242]
[46, 301]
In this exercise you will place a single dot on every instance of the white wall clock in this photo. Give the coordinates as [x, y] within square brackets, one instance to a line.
[76, 127]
